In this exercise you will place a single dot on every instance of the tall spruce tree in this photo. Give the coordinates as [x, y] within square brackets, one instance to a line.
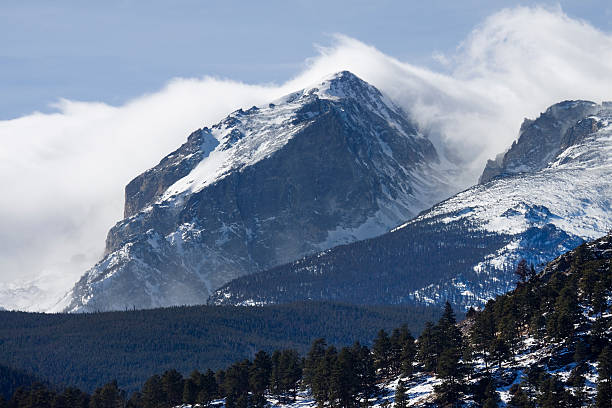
[428, 347]
[172, 386]
[401, 400]
[482, 333]
[383, 353]
[107, 396]
[208, 389]
[449, 366]
[152, 393]
[236, 385]
[492, 398]
[259, 373]
[520, 399]
[286, 373]
[191, 387]
[522, 272]
[604, 380]
[312, 360]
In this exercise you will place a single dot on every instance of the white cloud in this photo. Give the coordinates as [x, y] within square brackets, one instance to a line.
[63, 174]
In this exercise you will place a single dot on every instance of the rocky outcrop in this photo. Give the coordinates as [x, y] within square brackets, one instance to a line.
[541, 140]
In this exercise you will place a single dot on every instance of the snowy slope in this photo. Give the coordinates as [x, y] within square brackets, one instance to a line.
[571, 194]
[330, 164]
[466, 248]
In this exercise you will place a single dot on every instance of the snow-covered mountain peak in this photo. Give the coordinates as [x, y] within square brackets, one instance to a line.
[340, 85]
[245, 137]
[542, 139]
[330, 164]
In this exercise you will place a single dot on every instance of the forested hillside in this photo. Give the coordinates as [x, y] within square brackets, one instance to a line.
[85, 350]
[545, 344]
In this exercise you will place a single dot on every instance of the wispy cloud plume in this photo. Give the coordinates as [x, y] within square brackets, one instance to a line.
[63, 174]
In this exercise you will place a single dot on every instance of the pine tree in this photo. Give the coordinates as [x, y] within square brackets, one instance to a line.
[448, 333]
[75, 398]
[236, 384]
[395, 357]
[108, 396]
[220, 380]
[313, 358]
[135, 400]
[599, 301]
[172, 387]
[407, 351]
[450, 370]
[292, 371]
[449, 367]
[208, 388]
[259, 373]
[20, 398]
[383, 353]
[364, 371]
[276, 387]
[152, 393]
[320, 383]
[553, 394]
[344, 384]
[428, 347]
[522, 271]
[192, 387]
[40, 396]
[520, 399]
[490, 398]
[482, 333]
[500, 351]
[604, 380]
[400, 399]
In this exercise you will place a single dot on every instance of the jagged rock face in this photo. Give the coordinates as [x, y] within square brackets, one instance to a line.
[466, 248]
[542, 139]
[323, 166]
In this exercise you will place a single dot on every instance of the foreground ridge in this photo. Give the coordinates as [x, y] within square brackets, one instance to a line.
[546, 343]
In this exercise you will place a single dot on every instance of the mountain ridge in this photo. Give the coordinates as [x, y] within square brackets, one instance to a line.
[534, 214]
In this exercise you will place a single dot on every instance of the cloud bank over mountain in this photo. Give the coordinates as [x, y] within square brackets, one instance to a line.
[63, 173]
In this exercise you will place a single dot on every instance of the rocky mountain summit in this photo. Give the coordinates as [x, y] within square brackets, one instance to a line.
[330, 164]
[551, 191]
[541, 140]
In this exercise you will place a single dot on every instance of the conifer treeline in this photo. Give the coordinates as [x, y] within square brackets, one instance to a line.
[568, 310]
[132, 345]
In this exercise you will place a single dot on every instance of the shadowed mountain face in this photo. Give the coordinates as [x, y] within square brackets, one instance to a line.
[327, 165]
[551, 190]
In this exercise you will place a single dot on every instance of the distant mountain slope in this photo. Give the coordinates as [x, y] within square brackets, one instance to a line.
[87, 350]
[466, 248]
[327, 165]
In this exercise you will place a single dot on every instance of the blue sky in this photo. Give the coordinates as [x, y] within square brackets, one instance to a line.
[114, 50]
